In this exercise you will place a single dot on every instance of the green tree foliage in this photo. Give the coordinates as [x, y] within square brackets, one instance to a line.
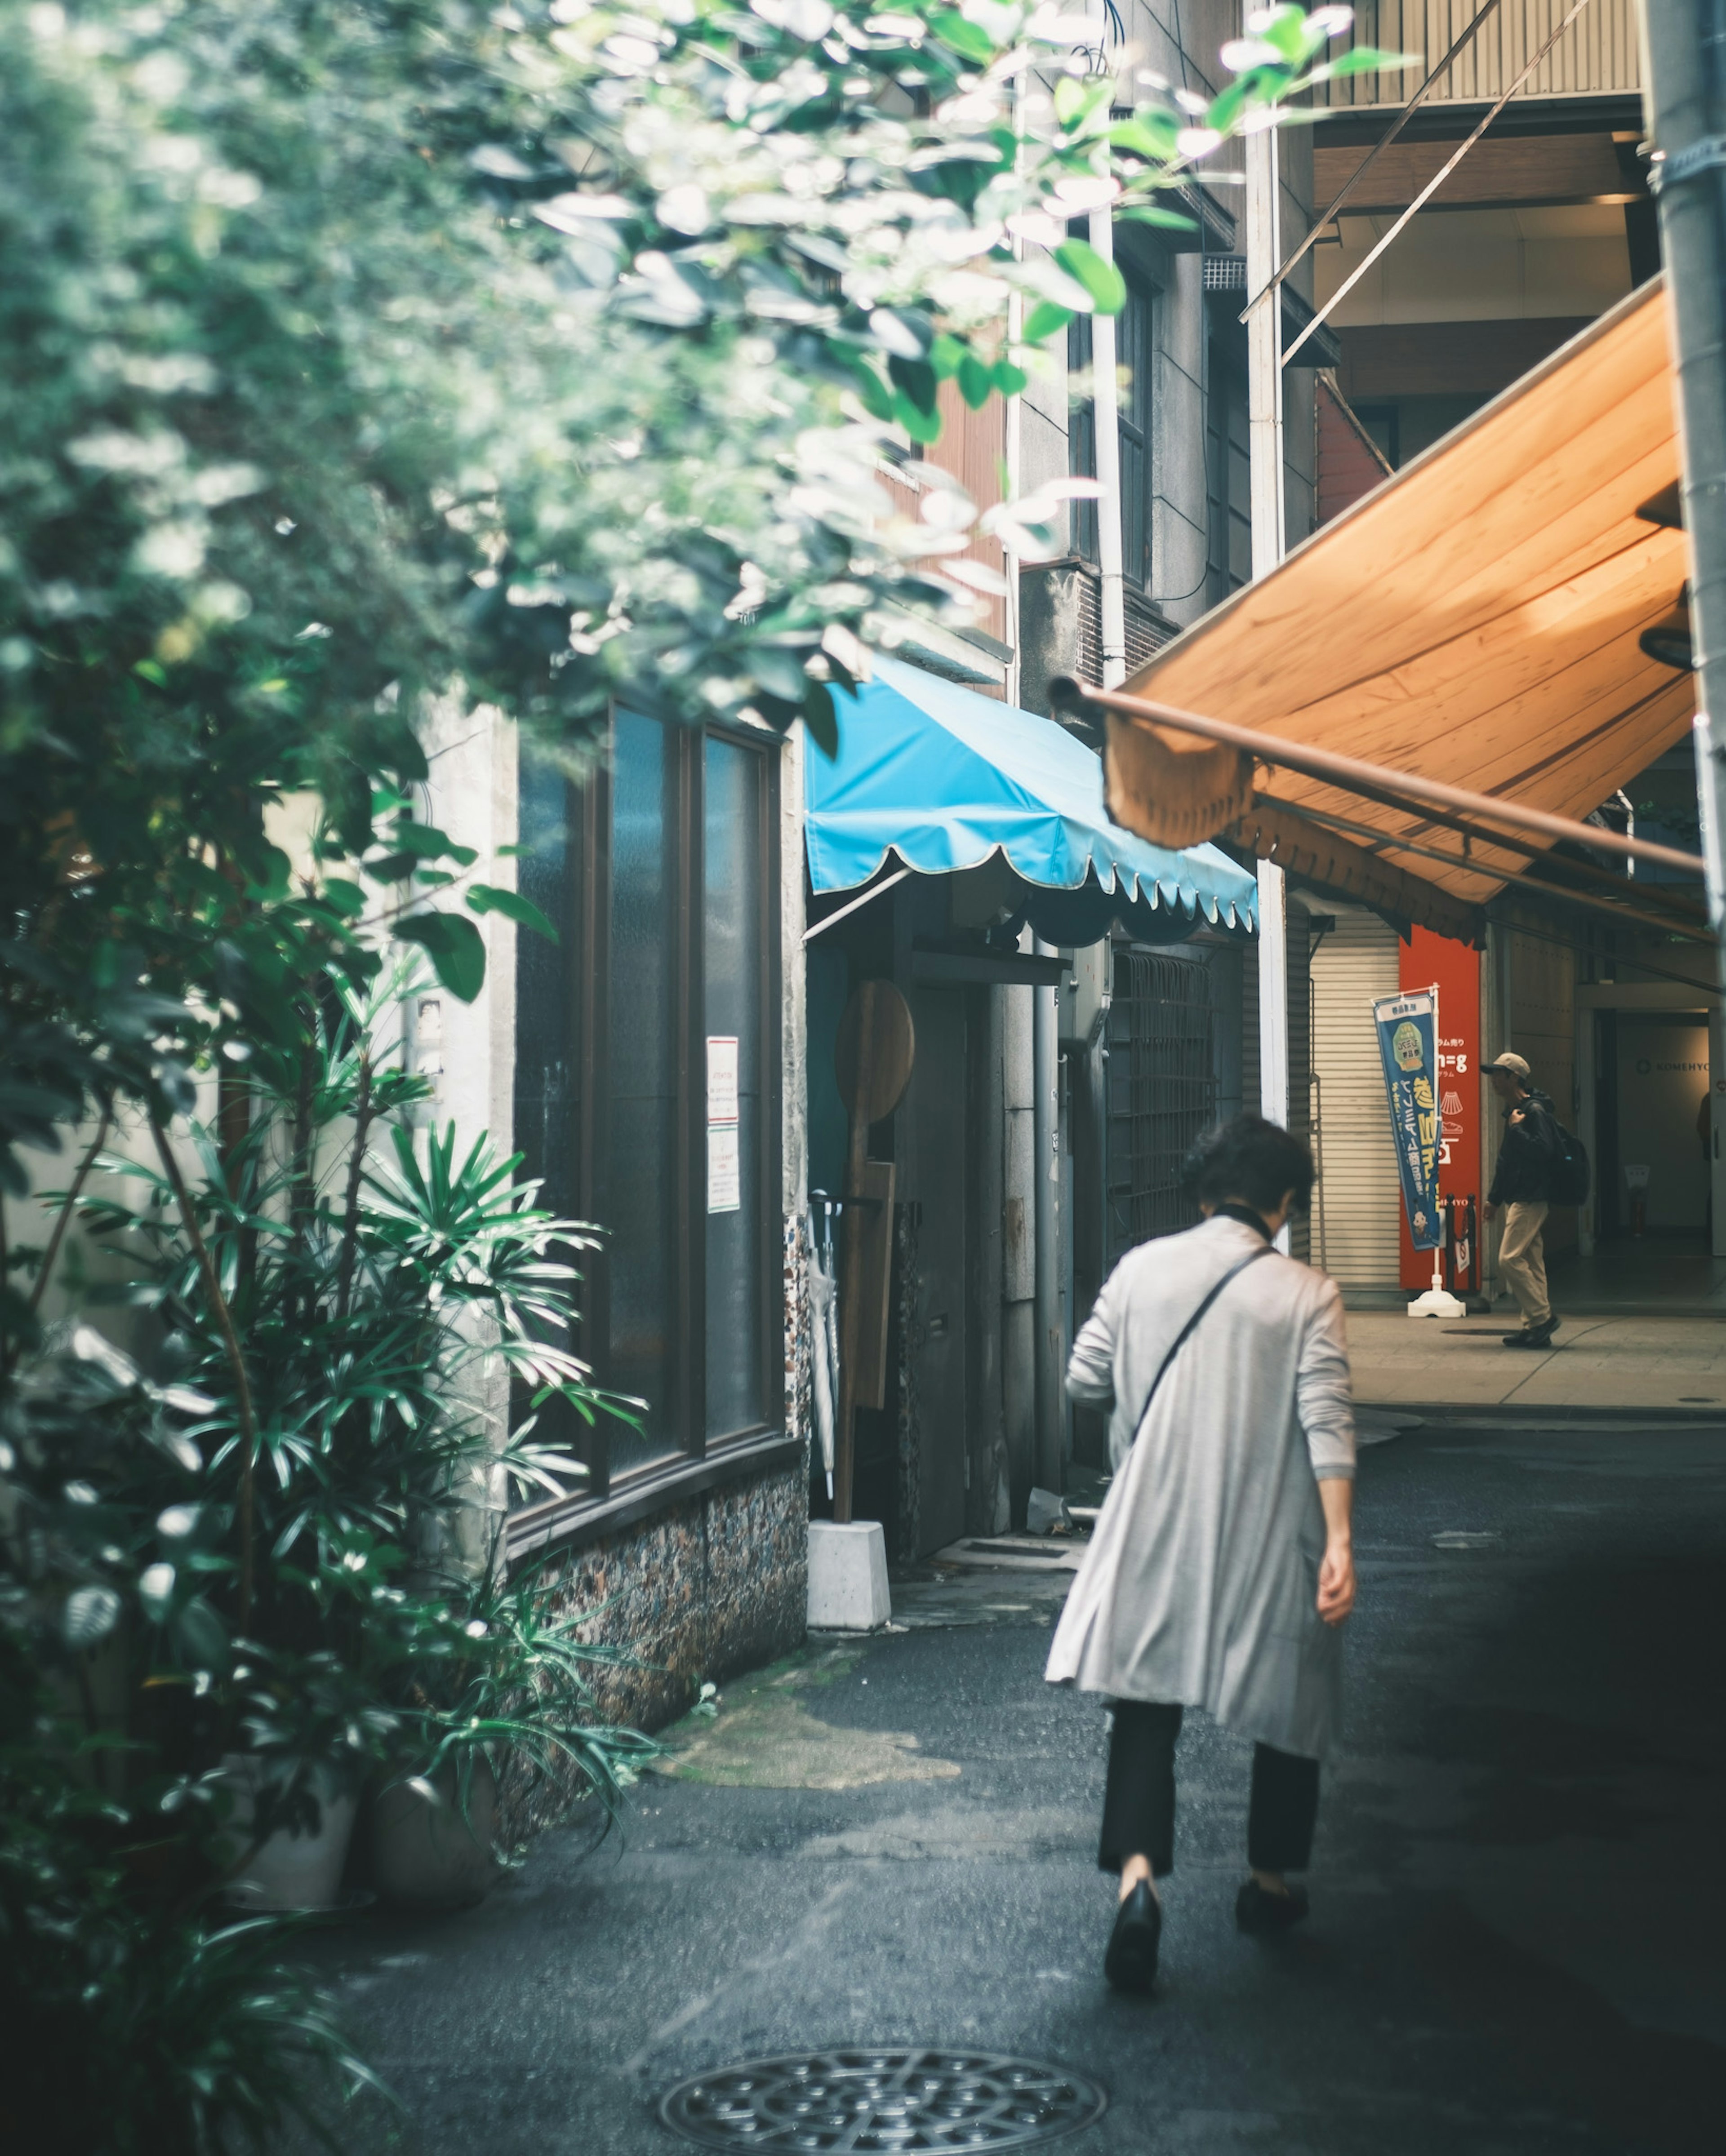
[360, 348]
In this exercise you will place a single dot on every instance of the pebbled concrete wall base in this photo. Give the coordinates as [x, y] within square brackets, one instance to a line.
[714, 1584]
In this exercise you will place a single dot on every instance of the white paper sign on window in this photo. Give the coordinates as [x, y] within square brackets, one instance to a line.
[725, 1174]
[721, 1078]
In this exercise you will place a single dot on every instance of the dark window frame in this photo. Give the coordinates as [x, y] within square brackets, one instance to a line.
[691, 1460]
[1136, 424]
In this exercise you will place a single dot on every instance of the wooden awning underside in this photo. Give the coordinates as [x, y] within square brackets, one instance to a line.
[1474, 620]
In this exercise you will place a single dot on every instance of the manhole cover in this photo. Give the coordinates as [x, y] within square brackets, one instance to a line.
[882, 2100]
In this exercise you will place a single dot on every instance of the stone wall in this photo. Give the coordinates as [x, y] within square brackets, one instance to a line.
[716, 1583]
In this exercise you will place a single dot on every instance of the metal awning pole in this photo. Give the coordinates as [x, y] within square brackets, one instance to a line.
[1264, 405]
[1351, 774]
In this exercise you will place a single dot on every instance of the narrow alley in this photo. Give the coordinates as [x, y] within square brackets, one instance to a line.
[1517, 1897]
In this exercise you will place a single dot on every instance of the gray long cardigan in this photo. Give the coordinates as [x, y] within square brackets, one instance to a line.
[1200, 1580]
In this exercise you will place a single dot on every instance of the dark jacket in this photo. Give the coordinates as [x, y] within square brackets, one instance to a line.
[1523, 1175]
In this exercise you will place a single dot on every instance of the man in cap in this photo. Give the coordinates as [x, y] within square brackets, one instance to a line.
[1522, 1184]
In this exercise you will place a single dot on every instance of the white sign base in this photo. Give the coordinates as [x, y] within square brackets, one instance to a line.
[1438, 1302]
[848, 1576]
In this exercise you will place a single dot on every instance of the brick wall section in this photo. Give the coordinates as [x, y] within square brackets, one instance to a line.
[1349, 464]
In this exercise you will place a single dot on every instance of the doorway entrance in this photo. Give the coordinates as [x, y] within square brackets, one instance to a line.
[1650, 1069]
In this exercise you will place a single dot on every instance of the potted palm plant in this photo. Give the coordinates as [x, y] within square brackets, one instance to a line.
[334, 1287]
[495, 1702]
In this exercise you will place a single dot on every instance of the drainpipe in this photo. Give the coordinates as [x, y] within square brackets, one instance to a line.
[1046, 1034]
[1264, 407]
[1105, 405]
[1049, 1368]
[1685, 104]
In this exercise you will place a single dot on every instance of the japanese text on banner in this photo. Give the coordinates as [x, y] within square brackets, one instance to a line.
[1408, 1049]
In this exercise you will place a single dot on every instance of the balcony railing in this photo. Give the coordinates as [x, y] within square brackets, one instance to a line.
[1596, 57]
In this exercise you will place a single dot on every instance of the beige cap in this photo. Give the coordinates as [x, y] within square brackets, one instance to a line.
[1517, 1065]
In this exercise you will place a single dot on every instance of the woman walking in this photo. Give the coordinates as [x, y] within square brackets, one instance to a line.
[1222, 1566]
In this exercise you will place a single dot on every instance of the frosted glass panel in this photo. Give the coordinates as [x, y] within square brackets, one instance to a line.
[731, 937]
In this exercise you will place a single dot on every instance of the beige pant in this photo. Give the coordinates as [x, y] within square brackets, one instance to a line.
[1522, 1261]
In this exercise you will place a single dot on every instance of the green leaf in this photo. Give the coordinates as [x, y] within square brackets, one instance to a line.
[1172, 220]
[821, 719]
[1071, 100]
[1010, 379]
[455, 947]
[922, 426]
[976, 381]
[1150, 134]
[89, 1616]
[1104, 283]
[493, 898]
[156, 1591]
[347, 898]
[1044, 319]
[915, 378]
[200, 1635]
[1228, 105]
[967, 38]
[947, 355]
[429, 844]
[877, 398]
[1287, 28]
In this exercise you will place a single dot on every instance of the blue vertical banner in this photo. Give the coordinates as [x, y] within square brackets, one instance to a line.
[1408, 1048]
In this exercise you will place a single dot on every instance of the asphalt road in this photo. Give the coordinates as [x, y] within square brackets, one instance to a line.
[1519, 1891]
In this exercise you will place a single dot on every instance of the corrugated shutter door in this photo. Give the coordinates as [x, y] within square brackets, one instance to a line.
[1354, 1237]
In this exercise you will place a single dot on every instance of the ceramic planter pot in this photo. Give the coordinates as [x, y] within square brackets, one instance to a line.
[290, 1870]
[435, 1853]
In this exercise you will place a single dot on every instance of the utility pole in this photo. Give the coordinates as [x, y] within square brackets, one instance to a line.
[1264, 407]
[1685, 105]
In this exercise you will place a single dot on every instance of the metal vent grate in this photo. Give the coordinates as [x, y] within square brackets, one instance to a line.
[1225, 273]
[879, 2100]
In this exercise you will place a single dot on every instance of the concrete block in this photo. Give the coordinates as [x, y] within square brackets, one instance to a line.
[848, 1576]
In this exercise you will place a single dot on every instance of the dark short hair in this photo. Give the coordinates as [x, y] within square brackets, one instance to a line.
[1250, 1158]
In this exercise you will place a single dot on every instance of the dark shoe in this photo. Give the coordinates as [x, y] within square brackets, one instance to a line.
[1263, 1913]
[1532, 1336]
[1131, 1963]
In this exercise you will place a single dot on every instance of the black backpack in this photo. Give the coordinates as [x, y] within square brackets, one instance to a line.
[1567, 1179]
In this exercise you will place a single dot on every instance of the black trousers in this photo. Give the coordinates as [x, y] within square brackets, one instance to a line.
[1138, 1803]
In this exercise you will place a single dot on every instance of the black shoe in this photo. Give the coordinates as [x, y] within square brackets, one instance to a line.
[1131, 1963]
[1258, 1911]
[1532, 1336]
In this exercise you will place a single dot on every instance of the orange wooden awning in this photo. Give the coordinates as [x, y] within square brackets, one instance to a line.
[1474, 621]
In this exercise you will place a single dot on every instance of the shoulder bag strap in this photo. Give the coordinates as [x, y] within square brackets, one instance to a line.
[1191, 1326]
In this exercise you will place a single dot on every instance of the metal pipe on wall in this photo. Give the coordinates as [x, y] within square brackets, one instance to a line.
[1106, 407]
[1263, 395]
[1045, 1228]
[1685, 103]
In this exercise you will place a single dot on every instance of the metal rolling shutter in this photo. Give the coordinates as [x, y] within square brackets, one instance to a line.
[1355, 1237]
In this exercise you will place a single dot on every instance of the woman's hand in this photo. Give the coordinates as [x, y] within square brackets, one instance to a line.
[1336, 1582]
[1336, 1574]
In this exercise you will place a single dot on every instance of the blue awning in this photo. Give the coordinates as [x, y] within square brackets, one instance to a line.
[944, 779]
